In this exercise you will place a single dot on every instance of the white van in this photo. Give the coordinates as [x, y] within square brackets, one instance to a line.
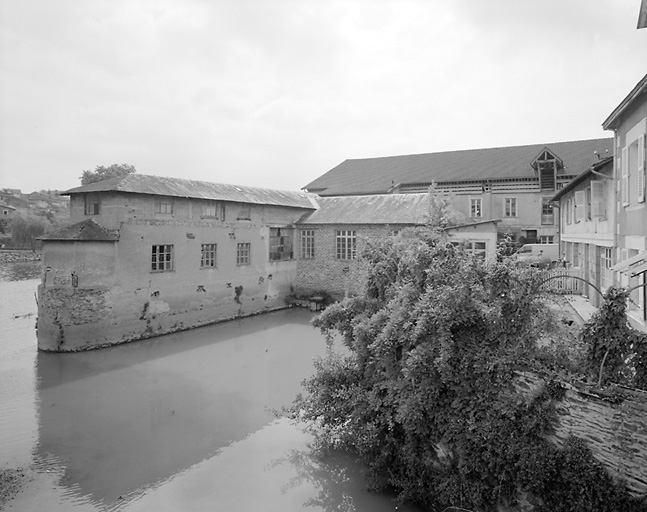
[537, 255]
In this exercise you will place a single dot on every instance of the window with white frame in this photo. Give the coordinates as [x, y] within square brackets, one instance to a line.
[547, 217]
[476, 207]
[162, 258]
[208, 256]
[510, 207]
[307, 243]
[243, 253]
[568, 211]
[576, 254]
[281, 244]
[476, 248]
[546, 239]
[345, 245]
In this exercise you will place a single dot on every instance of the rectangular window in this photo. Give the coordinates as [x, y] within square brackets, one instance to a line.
[245, 212]
[92, 204]
[547, 217]
[164, 205]
[281, 244]
[212, 210]
[606, 262]
[598, 205]
[208, 256]
[476, 248]
[242, 253]
[475, 208]
[579, 206]
[576, 254]
[510, 209]
[346, 245]
[162, 258]
[307, 244]
[546, 239]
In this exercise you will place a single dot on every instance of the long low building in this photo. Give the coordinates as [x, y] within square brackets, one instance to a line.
[146, 256]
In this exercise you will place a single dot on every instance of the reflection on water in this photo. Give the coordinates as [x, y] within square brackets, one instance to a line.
[180, 422]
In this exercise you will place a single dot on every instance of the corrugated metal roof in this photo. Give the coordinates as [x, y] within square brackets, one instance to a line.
[378, 175]
[87, 230]
[371, 209]
[176, 187]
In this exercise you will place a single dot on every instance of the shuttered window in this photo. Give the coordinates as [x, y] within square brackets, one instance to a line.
[640, 177]
[579, 206]
[598, 205]
[625, 176]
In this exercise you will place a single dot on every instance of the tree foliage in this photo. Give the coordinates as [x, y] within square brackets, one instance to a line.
[616, 352]
[26, 228]
[103, 173]
[425, 396]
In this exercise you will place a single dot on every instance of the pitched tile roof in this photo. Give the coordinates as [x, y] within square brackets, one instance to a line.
[86, 230]
[379, 175]
[597, 167]
[615, 118]
[176, 187]
[409, 209]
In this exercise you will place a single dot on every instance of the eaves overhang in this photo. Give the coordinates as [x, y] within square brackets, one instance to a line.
[615, 118]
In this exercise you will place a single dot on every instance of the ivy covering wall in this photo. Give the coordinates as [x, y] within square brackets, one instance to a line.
[426, 396]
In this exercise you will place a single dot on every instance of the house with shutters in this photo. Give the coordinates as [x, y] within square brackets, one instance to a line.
[513, 184]
[629, 124]
[587, 214]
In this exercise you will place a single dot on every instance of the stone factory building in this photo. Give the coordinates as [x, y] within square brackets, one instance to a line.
[147, 256]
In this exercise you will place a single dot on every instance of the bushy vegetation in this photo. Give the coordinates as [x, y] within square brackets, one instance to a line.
[425, 395]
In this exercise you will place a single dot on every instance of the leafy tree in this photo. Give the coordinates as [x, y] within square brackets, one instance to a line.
[425, 395]
[25, 229]
[103, 173]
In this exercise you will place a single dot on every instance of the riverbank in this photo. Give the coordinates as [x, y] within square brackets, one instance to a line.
[12, 482]
[18, 255]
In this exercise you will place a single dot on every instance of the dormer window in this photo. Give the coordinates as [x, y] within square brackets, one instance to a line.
[546, 164]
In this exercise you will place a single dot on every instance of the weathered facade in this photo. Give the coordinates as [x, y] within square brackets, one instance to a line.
[513, 184]
[148, 256]
[587, 213]
[629, 124]
[332, 237]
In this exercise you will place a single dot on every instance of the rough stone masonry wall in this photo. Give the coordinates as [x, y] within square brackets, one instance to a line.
[614, 430]
[324, 272]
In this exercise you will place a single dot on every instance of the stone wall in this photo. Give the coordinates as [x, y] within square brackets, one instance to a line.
[324, 272]
[614, 428]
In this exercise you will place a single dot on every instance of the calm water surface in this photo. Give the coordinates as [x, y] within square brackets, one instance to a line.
[180, 422]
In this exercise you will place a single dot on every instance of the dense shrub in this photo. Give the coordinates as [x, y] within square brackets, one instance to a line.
[425, 397]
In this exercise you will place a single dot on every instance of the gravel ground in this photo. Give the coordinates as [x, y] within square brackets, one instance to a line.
[11, 482]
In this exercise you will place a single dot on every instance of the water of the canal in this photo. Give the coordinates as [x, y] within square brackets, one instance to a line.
[178, 423]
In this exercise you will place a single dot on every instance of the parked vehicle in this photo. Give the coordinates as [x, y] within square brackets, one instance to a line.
[537, 255]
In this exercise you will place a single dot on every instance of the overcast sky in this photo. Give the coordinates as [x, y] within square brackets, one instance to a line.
[275, 93]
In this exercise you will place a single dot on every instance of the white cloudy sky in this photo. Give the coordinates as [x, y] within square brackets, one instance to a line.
[274, 93]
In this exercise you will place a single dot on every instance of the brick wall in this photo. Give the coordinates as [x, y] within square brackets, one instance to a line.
[340, 278]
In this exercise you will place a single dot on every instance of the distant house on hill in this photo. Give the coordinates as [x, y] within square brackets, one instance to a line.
[514, 184]
[6, 211]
